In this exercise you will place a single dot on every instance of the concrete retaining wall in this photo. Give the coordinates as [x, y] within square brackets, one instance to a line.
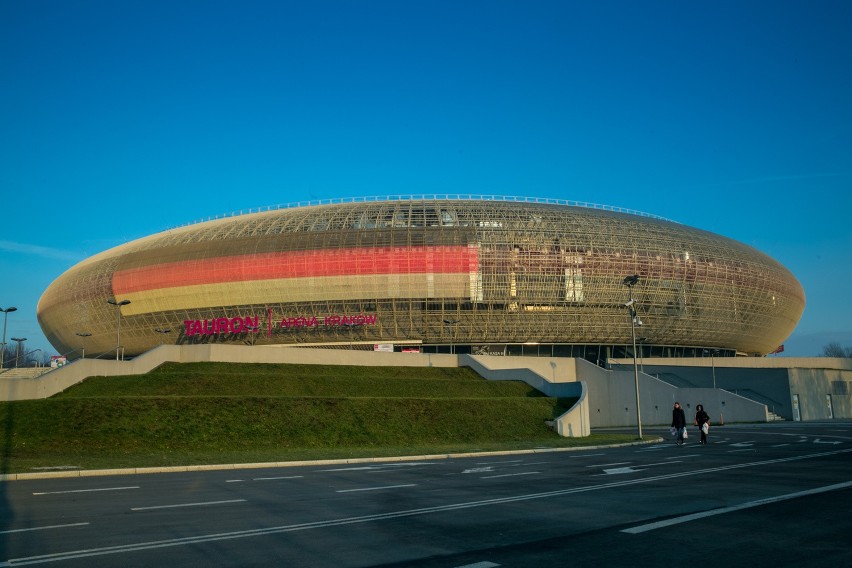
[607, 398]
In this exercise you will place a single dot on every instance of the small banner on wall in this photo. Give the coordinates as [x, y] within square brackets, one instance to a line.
[494, 350]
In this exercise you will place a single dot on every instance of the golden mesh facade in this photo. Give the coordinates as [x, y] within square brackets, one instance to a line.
[470, 273]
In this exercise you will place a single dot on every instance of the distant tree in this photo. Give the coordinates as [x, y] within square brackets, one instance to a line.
[834, 349]
[43, 358]
[22, 357]
[8, 356]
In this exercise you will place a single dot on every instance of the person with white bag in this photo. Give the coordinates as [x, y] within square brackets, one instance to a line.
[702, 420]
[679, 423]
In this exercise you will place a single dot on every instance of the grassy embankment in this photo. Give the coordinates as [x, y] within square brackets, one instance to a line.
[214, 413]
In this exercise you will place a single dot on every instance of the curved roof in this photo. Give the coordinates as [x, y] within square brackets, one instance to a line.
[500, 271]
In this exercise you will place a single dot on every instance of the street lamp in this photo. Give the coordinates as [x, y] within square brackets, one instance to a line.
[642, 341]
[630, 282]
[163, 332]
[713, 363]
[83, 335]
[118, 305]
[3, 352]
[18, 348]
[452, 323]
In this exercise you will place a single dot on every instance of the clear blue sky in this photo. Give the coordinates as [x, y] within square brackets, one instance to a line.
[121, 119]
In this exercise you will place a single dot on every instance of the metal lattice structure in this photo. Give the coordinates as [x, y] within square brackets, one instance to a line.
[428, 272]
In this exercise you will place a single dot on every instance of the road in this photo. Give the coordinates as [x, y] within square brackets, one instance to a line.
[757, 495]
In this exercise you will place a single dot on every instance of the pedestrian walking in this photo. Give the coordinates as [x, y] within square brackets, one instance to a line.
[678, 422]
[702, 420]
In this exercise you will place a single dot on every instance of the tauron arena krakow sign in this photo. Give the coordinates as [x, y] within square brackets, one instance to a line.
[251, 324]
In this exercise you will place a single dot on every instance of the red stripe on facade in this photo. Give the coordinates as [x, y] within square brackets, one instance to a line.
[298, 264]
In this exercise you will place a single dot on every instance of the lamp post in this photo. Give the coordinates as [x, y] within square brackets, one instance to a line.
[252, 337]
[3, 352]
[452, 323]
[713, 363]
[163, 332]
[630, 282]
[642, 341]
[118, 305]
[19, 340]
[83, 335]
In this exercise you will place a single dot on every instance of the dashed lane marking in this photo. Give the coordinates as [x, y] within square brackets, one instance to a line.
[695, 516]
[205, 503]
[43, 528]
[376, 488]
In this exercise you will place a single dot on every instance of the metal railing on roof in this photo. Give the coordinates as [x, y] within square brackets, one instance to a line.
[430, 197]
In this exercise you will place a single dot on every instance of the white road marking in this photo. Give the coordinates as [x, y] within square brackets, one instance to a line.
[382, 466]
[631, 469]
[275, 478]
[85, 490]
[360, 468]
[483, 564]
[44, 528]
[376, 488]
[188, 505]
[235, 481]
[478, 469]
[150, 545]
[819, 441]
[758, 503]
[620, 471]
[600, 465]
[509, 474]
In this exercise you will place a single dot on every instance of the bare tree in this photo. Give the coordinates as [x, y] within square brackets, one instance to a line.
[8, 355]
[834, 349]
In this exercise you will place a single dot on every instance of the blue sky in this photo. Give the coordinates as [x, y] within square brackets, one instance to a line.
[121, 119]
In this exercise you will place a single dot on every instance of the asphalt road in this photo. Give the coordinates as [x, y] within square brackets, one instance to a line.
[757, 495]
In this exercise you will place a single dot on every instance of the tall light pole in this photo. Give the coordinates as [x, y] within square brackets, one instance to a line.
[3, 352]
[83, 335]
[118, 305]
[713, 363]
[630, 282]
[163, 332]
[18, 348]
[452, 323]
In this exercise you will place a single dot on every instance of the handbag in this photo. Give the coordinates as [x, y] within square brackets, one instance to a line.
[673, 431]
[685, 433]
[705, 428]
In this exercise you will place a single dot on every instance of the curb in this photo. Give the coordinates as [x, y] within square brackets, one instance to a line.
[234, 466]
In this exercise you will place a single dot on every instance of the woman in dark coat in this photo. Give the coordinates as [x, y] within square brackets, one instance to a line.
[701, 418]
[678, 422]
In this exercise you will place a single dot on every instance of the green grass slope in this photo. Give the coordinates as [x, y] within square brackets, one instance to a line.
[212, 413]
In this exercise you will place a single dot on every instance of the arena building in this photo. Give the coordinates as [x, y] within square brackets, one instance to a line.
[478, 275]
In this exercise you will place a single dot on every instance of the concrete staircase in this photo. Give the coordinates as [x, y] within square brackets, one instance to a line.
[23, 372]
